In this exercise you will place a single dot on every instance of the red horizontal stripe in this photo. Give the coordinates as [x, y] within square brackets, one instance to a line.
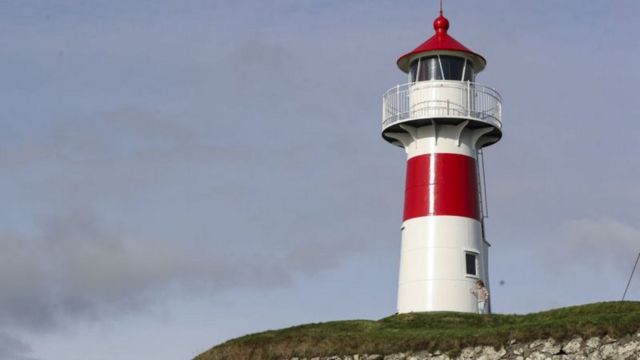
[441, 184]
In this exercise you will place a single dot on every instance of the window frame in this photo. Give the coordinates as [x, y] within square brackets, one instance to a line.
[476, 256]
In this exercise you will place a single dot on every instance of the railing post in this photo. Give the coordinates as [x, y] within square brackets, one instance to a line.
[384, 110]
[468, 98]
[398, 101]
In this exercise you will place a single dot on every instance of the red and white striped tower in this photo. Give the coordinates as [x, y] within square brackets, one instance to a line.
[443, 119]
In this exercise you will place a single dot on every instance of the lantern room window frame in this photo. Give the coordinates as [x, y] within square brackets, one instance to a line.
[441, 67]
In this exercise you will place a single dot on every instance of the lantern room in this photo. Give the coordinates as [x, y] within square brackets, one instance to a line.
[442, 89]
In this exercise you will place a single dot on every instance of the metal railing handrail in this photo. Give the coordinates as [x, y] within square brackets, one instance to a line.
[459, 99]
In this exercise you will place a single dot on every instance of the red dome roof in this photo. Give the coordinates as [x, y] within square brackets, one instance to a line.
[441, 41]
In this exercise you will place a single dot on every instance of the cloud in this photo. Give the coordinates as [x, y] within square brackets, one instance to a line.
[587, 260]
[601, 243]
[75, 268]
[67, 269]
[12, 348]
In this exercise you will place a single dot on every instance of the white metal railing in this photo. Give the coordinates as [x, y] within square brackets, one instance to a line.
[441, 99]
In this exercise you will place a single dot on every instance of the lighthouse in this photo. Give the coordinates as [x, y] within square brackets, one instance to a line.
[443, 119]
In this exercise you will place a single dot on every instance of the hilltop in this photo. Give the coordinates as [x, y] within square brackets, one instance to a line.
[443, 331]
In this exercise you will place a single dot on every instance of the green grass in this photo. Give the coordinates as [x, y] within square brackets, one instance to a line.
[444, 331]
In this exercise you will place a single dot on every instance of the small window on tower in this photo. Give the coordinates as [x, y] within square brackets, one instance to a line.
[471, 260]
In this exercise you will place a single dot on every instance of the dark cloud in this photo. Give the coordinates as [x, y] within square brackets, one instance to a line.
[75, 268]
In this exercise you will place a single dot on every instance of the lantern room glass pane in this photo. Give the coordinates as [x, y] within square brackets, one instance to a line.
[431, 69]
[452, 67]
[414, 70]
[469, 74]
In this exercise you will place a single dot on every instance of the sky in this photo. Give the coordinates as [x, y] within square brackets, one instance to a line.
[174, 174]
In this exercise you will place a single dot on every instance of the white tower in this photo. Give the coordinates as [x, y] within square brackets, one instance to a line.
[442, 118]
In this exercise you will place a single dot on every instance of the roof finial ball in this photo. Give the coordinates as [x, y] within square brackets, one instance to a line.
[441, 24]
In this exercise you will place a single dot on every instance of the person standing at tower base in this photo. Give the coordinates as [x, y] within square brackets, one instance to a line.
[482, 294]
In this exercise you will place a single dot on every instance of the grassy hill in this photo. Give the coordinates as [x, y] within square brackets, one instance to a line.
[444, 331]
